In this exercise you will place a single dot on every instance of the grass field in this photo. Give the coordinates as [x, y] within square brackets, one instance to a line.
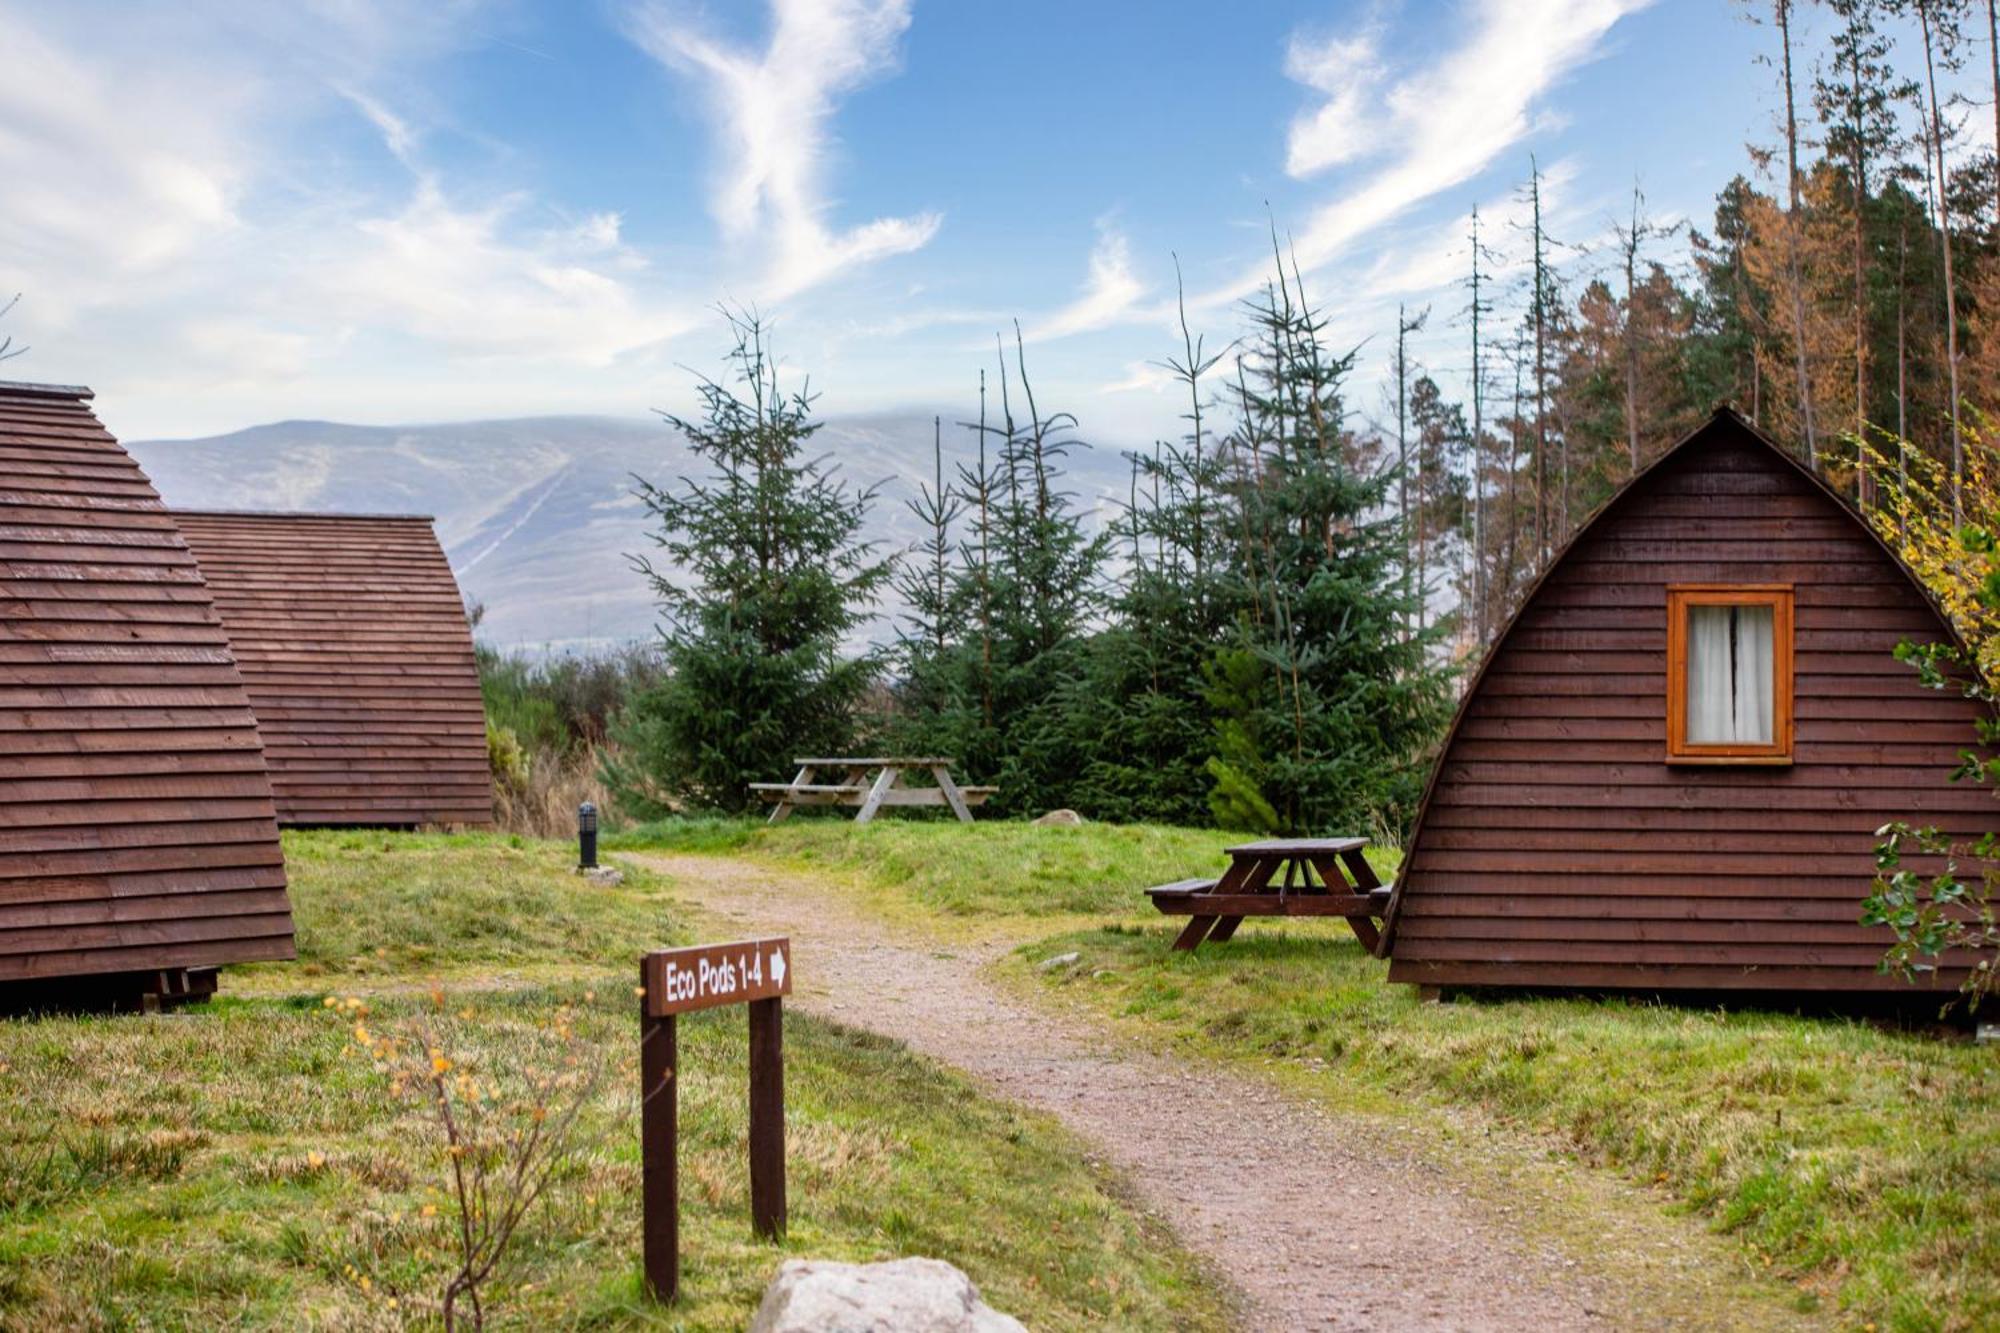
[1859, 1162]
[991, 869]
[239, 1164]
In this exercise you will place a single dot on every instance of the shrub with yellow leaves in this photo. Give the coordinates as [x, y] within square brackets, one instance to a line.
[1913, 513]
[505, 1113]
[1947, 529]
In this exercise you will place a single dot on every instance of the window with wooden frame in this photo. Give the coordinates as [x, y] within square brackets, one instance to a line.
[1729, 673]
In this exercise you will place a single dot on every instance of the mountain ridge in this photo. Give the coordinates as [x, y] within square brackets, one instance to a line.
[537, 513]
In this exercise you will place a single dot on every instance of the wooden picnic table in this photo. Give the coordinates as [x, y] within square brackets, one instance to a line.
[1280, 877]
[852, 784]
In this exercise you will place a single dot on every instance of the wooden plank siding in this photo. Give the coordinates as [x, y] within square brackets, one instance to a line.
[353, 643]
[1556, 847]
[137, 832]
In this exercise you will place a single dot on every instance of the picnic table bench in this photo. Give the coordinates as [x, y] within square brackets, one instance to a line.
[852, 785]
[1279, 877]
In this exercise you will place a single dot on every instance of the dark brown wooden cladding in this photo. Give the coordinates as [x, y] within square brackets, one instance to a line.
[353, 643]
[1556, 846]
[136, 826]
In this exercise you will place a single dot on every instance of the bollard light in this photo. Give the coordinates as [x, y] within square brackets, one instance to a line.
[586, 836]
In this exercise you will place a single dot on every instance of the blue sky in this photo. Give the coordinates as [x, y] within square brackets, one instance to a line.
[226, 214]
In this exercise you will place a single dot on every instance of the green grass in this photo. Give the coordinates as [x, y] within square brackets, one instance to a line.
[990, 869]
[409, 904]
[1861, 1163]
[239, 1165]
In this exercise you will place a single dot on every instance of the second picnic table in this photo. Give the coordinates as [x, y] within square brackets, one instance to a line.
[1280, 877]
[852, 785]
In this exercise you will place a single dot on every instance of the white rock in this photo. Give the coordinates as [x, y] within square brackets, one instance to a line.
[1059, 818]
[902, 1296]
[604, 876]
[1060, 960]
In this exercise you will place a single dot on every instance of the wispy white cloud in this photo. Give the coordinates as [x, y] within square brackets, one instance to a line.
[397, 135]
[1349, 124]
[468, 280]
[1414, 133]
[110, 179]
[774, 109]
[1111, 292]
[166, 242]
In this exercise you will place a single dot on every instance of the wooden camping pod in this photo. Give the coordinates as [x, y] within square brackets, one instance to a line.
[137, 837]
[353, 643]
[1559, 844]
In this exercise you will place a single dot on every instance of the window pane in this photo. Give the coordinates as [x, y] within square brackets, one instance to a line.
[1730, 675]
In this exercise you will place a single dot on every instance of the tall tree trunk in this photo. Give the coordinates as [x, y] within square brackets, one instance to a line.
[1783, 9]
[1539, 309]
[1632, 336]
[1858, 171]
[1403, 458]
[1902, 376]
[1993, 48]
[1478, 445]
[1950, 287]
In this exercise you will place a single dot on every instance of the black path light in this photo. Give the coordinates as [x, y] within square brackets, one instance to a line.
[586, 836]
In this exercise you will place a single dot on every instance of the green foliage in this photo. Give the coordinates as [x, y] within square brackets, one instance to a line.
[1001, 619]
[1352, 697]
[1940, 914]
[564, 703]
[1260, 661]
[1236, 803]
[766, 577]
[506, 756]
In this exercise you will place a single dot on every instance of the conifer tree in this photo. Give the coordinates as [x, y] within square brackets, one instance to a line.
[765, 578]
[1340, 708]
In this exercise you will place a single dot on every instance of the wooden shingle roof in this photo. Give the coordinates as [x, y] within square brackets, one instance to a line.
[354, 646]
[136, 824]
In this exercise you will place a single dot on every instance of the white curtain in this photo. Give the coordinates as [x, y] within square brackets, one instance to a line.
[1730, 675]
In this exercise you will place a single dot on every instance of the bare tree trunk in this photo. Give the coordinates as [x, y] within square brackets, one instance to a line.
[1783, 10]
[1993, 48]
[1864, 485]
[1478, 444]
[1632, 336]
[1403, 457]
[1539, 310]
[1902, 376]
[1950, 287]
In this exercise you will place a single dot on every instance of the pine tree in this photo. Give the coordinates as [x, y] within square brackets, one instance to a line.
[1339, 718]
[766, 578]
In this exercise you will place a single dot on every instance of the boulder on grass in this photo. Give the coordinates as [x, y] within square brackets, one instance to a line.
[901, 1296]
[1059, 819]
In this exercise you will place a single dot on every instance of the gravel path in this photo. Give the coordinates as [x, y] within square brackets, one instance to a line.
[1319, 1226]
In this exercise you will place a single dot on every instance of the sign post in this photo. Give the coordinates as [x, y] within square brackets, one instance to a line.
[678, 981]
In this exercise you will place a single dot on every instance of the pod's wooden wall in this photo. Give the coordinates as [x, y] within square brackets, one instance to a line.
[136, 823]
[353, 643]
[1557, 848]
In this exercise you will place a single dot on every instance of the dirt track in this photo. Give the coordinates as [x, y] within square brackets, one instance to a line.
[1318, 1223]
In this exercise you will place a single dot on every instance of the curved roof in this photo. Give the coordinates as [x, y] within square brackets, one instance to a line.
[353, 644]
[1724, 417]
[136, 825]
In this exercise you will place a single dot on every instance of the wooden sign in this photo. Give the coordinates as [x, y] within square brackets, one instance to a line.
[680, 981]
[757, 973]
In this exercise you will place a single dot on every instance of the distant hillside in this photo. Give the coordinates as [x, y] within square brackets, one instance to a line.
[536, 514]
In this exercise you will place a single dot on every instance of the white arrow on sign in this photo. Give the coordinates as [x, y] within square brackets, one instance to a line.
[778, 966]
